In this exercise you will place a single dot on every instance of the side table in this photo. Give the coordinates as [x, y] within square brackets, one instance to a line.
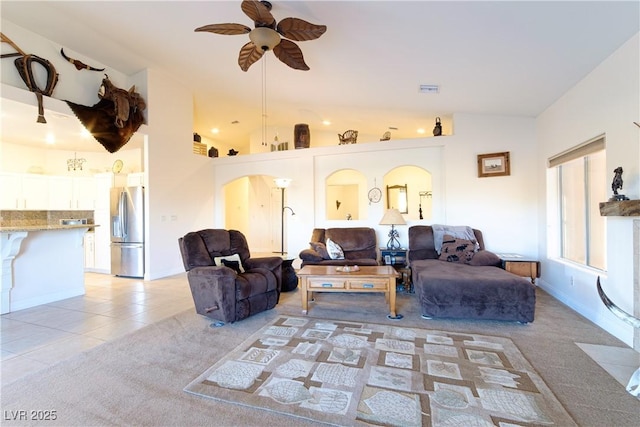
[289, 277]
[520, 265]
[398, 259]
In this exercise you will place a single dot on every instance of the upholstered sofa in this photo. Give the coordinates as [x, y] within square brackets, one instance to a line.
[358, 246]
[465, 280]
[226, 283]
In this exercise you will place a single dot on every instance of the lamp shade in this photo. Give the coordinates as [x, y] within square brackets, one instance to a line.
[282, 182]
[392, 217]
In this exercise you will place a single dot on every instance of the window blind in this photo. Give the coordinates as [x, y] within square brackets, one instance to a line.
[589, 147]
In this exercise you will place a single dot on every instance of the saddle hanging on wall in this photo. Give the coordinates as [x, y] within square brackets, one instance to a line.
[24, 64]
[115, 118]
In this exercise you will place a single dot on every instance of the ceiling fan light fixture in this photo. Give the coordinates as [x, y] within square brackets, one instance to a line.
[265, 38]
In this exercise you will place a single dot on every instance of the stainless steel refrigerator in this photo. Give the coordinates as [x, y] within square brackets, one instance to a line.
[127, 231]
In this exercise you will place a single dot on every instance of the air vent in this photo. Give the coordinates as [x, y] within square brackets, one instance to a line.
[429, 89]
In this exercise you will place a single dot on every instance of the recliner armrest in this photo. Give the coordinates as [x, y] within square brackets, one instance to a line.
[270, 263]
[213, 271]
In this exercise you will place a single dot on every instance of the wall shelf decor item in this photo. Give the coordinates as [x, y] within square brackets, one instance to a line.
[200, 148]
[437, 129]
[301, 136]
[494, 164]
[348, 137]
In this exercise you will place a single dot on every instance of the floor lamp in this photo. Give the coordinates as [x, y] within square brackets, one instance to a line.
[282, 184]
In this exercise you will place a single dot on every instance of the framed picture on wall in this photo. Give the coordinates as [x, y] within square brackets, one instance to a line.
[494, 164]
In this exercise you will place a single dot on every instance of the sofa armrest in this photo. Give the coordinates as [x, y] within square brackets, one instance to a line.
[310, 255]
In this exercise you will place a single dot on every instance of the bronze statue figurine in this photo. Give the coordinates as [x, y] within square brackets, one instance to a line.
[617, 184]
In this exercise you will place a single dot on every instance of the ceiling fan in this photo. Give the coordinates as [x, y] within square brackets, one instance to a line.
[268, 36]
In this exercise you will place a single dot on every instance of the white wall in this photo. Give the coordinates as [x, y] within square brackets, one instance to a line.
[606, 101]
[459, 196]
[179, 194]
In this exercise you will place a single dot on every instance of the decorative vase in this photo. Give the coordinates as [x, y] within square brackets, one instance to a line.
[437, 130]
[301, 136]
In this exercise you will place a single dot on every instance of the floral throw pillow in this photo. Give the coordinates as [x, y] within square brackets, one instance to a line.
[457, 250]
[335, 251]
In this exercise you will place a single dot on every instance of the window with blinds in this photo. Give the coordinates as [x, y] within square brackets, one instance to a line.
[581, 185]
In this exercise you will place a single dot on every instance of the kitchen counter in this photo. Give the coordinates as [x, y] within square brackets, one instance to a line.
[41, 264]
[44, 227]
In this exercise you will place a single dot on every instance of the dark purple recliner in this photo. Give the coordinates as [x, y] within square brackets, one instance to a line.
[222, 292]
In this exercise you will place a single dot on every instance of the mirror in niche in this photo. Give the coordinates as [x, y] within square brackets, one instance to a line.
[343, 194]
[397, 198]
[413, 184]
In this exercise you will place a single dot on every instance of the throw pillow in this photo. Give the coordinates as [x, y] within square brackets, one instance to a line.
[234, 265]
[235, 257]
[334, 249]
[321, 249]
[484, 257]
[457, 250]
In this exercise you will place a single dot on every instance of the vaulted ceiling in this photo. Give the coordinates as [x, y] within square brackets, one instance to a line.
[501, 57]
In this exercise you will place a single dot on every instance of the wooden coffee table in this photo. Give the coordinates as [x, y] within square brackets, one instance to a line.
[328, 278]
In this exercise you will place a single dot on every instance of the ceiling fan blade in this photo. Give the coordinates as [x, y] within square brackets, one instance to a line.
[249, 54]
[289, 53]
[225, 29]
[258, 13]
[299, 29]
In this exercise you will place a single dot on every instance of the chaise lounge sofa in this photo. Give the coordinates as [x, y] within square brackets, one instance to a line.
[463, 280]
[357, 244]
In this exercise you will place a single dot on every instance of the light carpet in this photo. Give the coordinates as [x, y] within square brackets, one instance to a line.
[341, 372]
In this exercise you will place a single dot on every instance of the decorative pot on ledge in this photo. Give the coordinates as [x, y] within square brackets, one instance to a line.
[301, 136]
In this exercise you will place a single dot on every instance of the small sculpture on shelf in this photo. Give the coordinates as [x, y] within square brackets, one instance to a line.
[349, 137]
[616, 185]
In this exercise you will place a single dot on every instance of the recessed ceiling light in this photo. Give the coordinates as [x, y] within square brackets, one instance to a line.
[326, 122]
[51, 139]
[420, 130]
[215, 130]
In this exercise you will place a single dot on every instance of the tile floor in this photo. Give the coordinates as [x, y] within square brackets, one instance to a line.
[35, 338]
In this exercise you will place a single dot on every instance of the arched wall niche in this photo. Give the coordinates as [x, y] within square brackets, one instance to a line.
[419, 191]
[345, 192]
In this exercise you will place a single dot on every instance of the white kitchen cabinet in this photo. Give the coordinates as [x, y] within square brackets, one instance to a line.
[135, 179]
[72, 193]
[84, 193]
[89, 251]
[101, 217]
[102, 242]
[23, 191]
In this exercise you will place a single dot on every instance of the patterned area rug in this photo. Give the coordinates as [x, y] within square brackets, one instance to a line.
[338, 372]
